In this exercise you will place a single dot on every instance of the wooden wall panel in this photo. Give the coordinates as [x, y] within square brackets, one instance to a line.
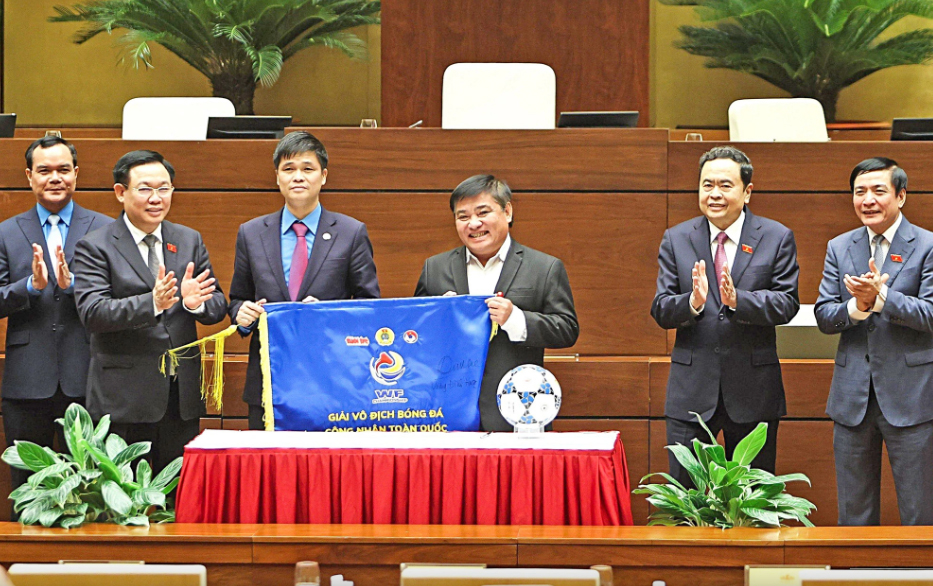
[604, 386]
[597, 48]
[805, 167]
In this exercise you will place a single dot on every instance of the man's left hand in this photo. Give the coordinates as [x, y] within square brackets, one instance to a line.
[196, 290]
[63, 275]
[866, 288]
[727, 289]
[500, 309]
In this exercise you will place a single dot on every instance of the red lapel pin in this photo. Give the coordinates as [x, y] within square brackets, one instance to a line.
[897, 258]
[171, 247]
[746, 248]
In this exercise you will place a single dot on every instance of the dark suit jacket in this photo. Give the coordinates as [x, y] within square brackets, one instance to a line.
[340, 267]
[46, 345]
[113, 289]
[723, 350]
[537, 284]
[894, 348]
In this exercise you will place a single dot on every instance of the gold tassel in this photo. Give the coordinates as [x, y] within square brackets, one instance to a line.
[268, 416]
[212, 389]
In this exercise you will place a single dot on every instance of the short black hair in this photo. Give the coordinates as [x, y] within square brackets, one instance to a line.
[478, 185]
[47, 142]
[121, 171]
[898, 175]
[733, 154]
[295, 143]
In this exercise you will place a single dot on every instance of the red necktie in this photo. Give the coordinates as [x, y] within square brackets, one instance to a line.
[720, 261]
[299, 261]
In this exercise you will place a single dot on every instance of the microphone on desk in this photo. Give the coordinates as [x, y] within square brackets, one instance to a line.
[416, 124]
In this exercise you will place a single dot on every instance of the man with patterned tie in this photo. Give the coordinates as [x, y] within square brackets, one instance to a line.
[46, 346]
[301, 252]
[877, 292]
[725, 280]
[142, 285]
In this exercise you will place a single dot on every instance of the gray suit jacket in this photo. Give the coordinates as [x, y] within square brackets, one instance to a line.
[537, 284]
[892, 349]
[113, 289]
[46, 345]
[733, 352]
[340, 267]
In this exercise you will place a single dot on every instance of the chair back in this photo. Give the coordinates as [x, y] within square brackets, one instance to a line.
[512, 96]
[777, 120]
[172, 118]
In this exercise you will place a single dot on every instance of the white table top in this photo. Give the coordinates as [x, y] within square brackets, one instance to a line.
[216, 439]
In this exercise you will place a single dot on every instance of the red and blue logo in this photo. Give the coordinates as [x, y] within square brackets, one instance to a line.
[387, 368]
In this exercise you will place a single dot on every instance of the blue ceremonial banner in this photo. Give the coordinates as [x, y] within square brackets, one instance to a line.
[375, 364]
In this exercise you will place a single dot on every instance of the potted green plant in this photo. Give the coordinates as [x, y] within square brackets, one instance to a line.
[94, 481]
[234, 43]
[727, 493]
[808, 48]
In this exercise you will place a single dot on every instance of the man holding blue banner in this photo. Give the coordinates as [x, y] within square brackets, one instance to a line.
[301, 252]
[528, 292]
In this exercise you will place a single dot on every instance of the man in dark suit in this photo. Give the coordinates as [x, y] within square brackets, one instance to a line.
[882, 390]
[142, 284]
[529, 292]
[301, 252]
[46, 346]
[725, 280]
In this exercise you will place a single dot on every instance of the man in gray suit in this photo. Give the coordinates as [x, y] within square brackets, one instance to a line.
[529, 292]
[725, 280]
[46, 346]
[334, 255]
[882, 390]
[142, 284]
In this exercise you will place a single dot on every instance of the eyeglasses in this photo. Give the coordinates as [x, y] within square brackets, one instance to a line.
[146, 191]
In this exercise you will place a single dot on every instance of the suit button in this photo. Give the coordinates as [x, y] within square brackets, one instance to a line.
[721, 317]
[57, 298]
[54, 327]
[867, 359]
[716, 350]
[871, 328]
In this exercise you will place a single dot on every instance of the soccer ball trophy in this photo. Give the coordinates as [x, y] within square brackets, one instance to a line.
[528, 398]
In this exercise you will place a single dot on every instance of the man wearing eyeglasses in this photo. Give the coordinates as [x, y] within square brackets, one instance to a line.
[141, 286]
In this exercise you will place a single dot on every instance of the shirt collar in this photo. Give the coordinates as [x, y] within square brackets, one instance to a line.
[138, 234]
[65, 215]
[311, 220]
[734, 232]
[503, 252]
[889, 233]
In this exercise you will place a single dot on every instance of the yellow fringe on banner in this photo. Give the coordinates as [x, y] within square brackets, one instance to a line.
[493, 331]
[268, 417]
[212, 389]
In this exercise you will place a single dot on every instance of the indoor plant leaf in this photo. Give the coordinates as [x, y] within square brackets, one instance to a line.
[115, 498]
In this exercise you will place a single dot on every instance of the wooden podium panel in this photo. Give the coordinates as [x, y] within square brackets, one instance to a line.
[597, 48]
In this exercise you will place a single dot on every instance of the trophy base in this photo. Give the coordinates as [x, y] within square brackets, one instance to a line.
[529, 430]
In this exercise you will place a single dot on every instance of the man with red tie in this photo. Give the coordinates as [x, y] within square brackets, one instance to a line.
[301, 252]
[725, 280]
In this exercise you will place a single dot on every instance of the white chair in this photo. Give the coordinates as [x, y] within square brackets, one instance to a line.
[474, 576]
[172, 118]
[512, 96]
[777, 120]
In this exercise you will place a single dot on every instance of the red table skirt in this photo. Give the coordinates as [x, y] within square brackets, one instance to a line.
[426, 486]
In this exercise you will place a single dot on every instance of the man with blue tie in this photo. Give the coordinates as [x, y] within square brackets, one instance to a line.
[301, 252]
[877, 292]
[46, 345]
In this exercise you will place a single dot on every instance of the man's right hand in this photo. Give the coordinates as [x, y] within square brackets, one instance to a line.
[700, 285]
[166, 286]
[249, 312]
[40, 272]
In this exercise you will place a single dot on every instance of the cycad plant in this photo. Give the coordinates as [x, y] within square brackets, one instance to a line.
[234, 43]
[727, 493]
[809, 48]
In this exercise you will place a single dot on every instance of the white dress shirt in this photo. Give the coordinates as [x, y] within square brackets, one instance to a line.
[482, 280]
[734, 234]
[138, 236]
[855, 314]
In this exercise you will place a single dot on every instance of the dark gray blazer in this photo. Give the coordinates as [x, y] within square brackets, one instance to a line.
[340, 267]
[723, 350]
[46, 345]
[894, 348]
[537, 284]
[113, 289]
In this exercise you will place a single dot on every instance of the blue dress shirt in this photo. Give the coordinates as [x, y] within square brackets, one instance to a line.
[289, 239]
[65, 221]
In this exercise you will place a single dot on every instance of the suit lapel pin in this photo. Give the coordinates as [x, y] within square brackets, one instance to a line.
[171, 247]
[897, 258]
[326, 236]
[747, 249]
